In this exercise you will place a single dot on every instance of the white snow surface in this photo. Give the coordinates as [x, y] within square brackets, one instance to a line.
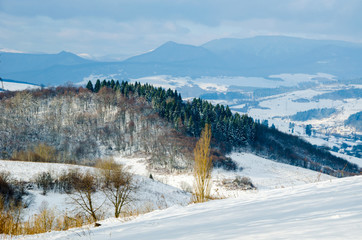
[223, 83]
[351, 159]
[14, 86]
[323, 210]
[265, 174]
[150, 194]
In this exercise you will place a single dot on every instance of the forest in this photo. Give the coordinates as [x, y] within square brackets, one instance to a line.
[108, 117]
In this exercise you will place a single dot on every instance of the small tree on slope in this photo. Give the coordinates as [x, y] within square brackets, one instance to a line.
[203, 166]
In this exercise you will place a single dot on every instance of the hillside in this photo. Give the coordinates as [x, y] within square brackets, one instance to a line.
[80, 125]
[149, 194]
[167, 189]
[25, 62]
[11, 85]
[323, 210]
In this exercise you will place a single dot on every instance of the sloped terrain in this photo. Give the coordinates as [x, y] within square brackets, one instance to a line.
[150, 194]
[323, 210]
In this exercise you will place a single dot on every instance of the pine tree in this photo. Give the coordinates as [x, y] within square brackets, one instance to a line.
[90, 86]
[97, 87]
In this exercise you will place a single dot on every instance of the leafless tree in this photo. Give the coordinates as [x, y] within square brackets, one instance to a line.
[83, 196]
[118, 184]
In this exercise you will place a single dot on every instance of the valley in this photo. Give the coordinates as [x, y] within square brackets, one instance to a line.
[284, 114]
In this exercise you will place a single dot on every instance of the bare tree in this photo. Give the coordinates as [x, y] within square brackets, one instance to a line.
[118, 184]
[203, 166]
[83, 196]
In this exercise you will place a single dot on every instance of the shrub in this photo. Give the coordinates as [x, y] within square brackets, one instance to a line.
[40, 153]
[67, 181]
[45, 181]
[243, 183]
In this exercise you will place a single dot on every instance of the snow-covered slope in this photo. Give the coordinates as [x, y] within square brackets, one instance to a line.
[10, 85]
[265, 174]
[323, 210]
[169, 189]
[150, 194]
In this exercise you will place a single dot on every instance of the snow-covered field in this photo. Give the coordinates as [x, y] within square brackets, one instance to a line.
[290, 202]
[276, 107]
[150, 194]
[17, 86]
[224, 83]
[323, 210]
[265, 174]
[167, 190]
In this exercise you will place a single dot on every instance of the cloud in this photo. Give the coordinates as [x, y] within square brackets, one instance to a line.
[118, 27]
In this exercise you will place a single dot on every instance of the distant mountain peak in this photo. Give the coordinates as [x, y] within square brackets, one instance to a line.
[66, 53]
[173, 52]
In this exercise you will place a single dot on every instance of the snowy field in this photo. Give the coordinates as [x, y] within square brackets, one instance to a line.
[167, 190]
[149, 196]
[224, 83]
[265, 174]
[277, 107]
[323, 210]
[17, 86]
[351, 159]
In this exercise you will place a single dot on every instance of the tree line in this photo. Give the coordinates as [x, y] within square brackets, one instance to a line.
[231, 131]
[112, 116]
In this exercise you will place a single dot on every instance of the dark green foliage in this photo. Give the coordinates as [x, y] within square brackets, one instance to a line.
[97, 87]
[229, 131]
[235, 131]
[90, 86]
[308, 129]
[189, 117]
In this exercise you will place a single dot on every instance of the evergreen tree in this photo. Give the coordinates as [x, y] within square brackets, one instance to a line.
[90, 86]
[97, 87]
[308, 129]
[104, 83]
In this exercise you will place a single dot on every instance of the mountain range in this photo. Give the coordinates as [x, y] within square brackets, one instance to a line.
[251, 57]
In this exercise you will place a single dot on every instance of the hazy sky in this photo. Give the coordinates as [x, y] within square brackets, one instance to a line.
[123, 28]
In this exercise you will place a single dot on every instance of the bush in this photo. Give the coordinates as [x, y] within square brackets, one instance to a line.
[40, 153]
[45, 181]
[11, 192]
[67, 180]
[243, 183]
[10, 216]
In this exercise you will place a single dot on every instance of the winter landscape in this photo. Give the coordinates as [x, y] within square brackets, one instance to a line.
[180, 120]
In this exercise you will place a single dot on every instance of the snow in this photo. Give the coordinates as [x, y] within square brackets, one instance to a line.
[351, 159]
[323, 210]
[150, 194]
[15, 86]
[224, 83]
[25, 171]
[267, 174]
[264, 173]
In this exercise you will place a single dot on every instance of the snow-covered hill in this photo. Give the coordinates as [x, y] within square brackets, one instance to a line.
[167, 190]
[265, 174]
[322, 210]
[10, 85]
[150, 194]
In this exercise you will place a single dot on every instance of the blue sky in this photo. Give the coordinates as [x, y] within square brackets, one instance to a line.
[117, 28]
